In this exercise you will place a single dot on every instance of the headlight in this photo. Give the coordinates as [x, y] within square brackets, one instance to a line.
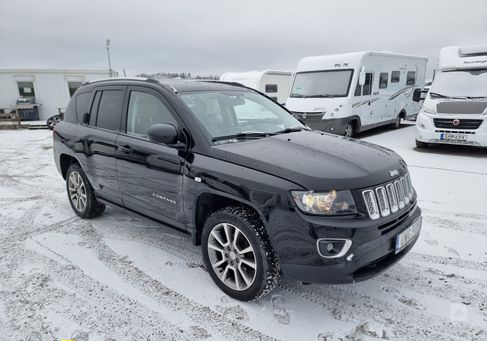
[325, 203]
[428, 108]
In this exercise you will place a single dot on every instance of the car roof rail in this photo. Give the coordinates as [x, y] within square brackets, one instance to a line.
[119, 79]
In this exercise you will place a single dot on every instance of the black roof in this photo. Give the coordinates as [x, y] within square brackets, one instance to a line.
[175, 85]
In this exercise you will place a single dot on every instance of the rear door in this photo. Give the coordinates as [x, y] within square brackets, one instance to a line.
[98, 141]
[149, 173]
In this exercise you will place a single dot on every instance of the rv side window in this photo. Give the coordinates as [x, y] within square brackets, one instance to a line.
[411, 78]
[395, 76]
[271, 88]
[383, 78]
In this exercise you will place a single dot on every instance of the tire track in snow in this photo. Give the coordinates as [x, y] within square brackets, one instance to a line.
[458, 262]
[224, 326]
[408, 323]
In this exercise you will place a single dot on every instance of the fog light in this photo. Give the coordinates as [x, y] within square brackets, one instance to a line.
[333, 247]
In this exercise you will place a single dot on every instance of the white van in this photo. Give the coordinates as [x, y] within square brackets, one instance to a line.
[352, 92]
[274, 84]
[455, 108]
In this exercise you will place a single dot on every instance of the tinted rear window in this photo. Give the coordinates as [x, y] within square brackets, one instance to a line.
[82, 104]
[110, 110]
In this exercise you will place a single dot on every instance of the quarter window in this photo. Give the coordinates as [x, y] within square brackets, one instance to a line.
[82, 104]
[145, 110]
[395, 76]
[271, 88]
[26, 89]
[110, 110]
[383, 78]
[411, 78]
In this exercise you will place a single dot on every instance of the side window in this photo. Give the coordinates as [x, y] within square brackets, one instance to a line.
[395, 76]
[411, 78]
[383, 78]
[82, 104]
[145, 110]
[110, 110]
[271, 88]
[368, 84]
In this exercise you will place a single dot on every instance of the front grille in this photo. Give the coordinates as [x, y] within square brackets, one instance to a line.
[389, 198]
[309, 118]
[457, 123]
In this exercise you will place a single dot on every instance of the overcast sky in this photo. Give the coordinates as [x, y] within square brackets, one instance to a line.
[211, 37]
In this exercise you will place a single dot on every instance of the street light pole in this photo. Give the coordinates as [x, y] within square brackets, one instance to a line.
[109, 61]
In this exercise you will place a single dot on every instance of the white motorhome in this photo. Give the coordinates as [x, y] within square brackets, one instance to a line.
[455, 108]
[352, 92]
[274, 84]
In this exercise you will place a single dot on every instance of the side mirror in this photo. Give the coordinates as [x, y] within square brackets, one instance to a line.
[419, 94]
[163, 133]
[361, 77]
[85, 118]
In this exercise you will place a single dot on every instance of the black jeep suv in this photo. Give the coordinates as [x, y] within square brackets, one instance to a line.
[260, 192]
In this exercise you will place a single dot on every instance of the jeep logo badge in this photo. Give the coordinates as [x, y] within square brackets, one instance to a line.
[456, 122]
[394, 172]
[304, 116]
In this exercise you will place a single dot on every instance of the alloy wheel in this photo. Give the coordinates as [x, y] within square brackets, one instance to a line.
[349, 130]
[232, 256]
[77, 191]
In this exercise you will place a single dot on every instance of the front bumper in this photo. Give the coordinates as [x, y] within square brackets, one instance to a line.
[329, 125]
[373, 248]
[428, 133]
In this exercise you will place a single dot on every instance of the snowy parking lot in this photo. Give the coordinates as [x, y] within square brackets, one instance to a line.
[120, 277]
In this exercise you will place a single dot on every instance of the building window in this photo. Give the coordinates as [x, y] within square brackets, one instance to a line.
[383, 78]
[272, 88]
[26, 89]
[411, 78]
[73, 86]
[395, 76]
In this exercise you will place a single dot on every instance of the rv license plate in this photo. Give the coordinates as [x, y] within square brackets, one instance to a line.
[453, 137]
[405, 237]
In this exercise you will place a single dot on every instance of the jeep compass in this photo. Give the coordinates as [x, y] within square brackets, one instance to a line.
[262, 194]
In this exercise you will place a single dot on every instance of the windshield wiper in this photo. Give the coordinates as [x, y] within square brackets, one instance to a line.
[435, 94]
[289, 130]
[476, 97]
[242, 135]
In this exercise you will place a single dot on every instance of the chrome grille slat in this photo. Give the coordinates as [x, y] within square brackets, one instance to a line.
[383, 200]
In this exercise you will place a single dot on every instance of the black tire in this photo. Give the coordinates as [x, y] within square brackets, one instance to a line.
[397, 122]
[267, 272]
[350, 129]
[420, 144]
[92, 208]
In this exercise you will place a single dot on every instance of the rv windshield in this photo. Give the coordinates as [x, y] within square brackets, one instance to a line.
[328, 83]
[460, 83]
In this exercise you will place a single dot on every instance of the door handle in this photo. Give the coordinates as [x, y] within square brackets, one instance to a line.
[125, 149]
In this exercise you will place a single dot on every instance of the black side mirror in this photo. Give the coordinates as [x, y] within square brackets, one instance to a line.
[419, 94]
[85, 118]
[163, 133]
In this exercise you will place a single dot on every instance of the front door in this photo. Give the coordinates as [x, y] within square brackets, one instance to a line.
[149, 173]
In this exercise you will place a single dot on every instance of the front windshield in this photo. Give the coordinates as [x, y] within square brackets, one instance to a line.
[328, 83]
[460, 83]
[226, 113]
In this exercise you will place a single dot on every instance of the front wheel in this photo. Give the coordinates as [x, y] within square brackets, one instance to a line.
[349, 130]
[397, 122]
[238, 254]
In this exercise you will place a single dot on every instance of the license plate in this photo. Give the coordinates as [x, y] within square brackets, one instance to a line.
[453, 137]
[406, 236]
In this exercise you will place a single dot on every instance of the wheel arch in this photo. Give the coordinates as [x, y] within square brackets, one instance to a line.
[66, 160]
[208, 202]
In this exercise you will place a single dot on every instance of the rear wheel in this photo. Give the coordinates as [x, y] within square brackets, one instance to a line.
[81, 194]
[420, 144]
[238, 254]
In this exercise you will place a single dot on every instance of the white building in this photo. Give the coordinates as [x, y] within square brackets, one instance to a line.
[52, 88]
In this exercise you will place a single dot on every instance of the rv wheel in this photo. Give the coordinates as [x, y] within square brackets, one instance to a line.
[397, 122]
[349, 130]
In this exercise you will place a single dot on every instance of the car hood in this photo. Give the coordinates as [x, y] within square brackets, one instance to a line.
[315, 160]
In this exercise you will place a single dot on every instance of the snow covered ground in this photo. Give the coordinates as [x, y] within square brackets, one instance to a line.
[120, 277]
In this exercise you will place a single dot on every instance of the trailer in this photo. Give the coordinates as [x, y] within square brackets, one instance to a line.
[455, 108]
[352, 92]
[272, 83]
